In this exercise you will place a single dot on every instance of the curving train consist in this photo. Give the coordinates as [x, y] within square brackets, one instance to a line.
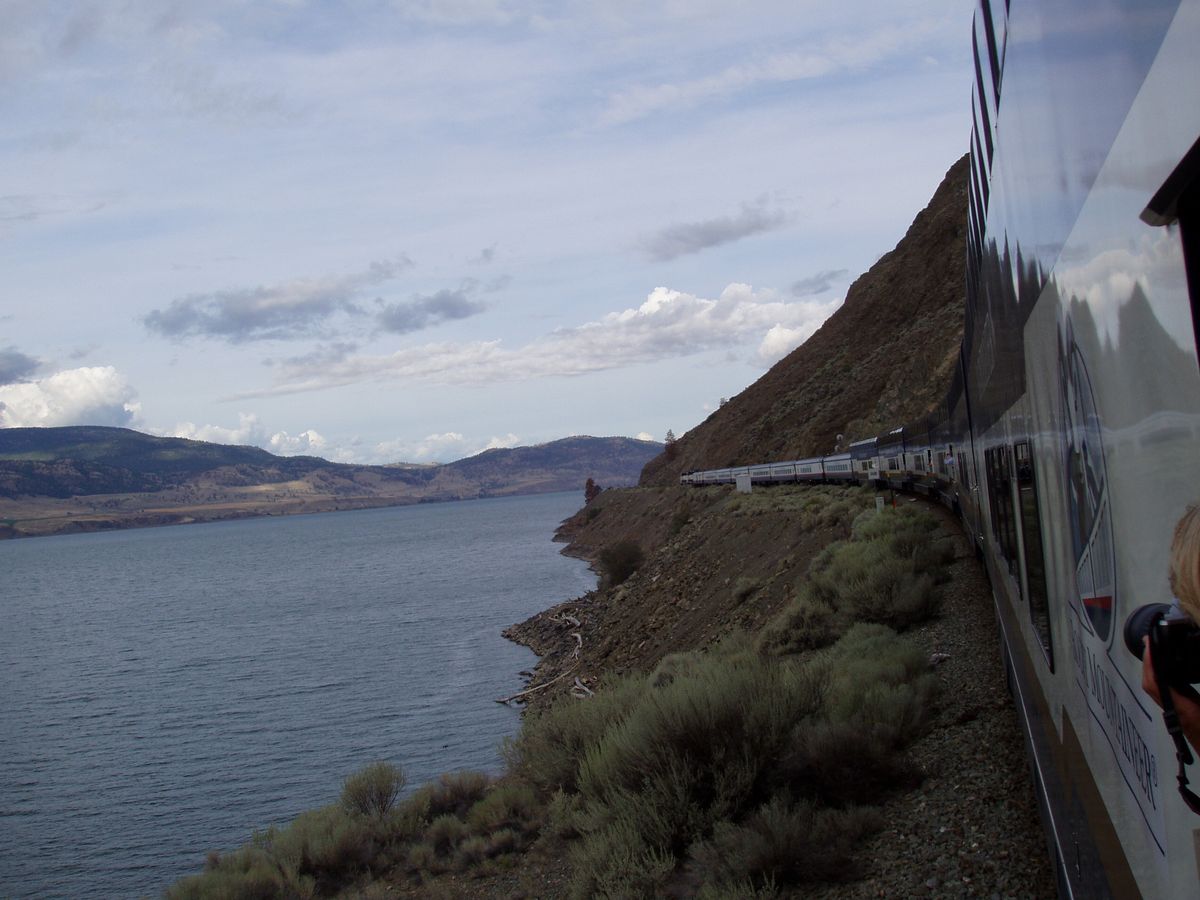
[1069, 441]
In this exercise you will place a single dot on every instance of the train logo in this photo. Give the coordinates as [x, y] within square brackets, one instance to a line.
[1087, 489]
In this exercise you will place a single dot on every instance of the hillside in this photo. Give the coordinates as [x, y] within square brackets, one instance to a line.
[89, 478]
[883, 358]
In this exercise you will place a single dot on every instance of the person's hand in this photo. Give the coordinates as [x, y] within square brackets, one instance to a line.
[1187, 701]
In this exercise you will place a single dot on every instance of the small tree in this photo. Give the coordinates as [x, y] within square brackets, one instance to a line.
[591, 491]
[671, 449]
[620, 560]
[373, 790]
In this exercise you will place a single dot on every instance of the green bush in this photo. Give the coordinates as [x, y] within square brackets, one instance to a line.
[453, 793]
[373, 790]
[616, 863]
[744, 587]
[866, 581]
[620, 560]
[804, 624]
[699, 750]
[444, 833]
[785, 842]
[551, 744]
[511, 806]
[678, 521]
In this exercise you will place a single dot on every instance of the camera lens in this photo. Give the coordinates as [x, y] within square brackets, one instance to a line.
[1139, 623]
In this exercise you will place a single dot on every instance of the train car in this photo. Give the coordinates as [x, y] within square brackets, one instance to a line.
[782, 473]
[810, 470]
[864, 460]
[889, 449]
[1083, 391]
[838, 467]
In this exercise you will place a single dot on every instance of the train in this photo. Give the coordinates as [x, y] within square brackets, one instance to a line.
[1068, 443]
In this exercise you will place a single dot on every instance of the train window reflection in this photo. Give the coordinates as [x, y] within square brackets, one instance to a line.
[1035, 560]
[999, 482]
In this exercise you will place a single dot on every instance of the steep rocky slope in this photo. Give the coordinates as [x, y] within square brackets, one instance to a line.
[884, 357]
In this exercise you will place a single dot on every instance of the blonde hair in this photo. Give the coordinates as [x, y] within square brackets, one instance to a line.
[1185, 562]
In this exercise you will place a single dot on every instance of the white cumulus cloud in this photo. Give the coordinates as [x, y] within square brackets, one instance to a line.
[92, 395]
[780, 341]
[669, 324]
[251, 432]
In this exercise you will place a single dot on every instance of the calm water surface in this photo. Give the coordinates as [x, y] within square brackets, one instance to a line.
[167, 691]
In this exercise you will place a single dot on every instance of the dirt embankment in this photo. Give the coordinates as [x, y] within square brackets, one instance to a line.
[717, 561]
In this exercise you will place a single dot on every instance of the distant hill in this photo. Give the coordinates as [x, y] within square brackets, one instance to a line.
[883, 358]
[95, 477]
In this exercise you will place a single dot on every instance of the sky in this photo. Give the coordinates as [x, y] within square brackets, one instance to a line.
[410, 230]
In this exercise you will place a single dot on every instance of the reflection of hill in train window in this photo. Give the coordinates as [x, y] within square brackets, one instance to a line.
[1083, 457]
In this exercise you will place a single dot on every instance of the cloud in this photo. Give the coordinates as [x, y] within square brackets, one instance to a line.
[456, 12]
[294, 309]
[486, 256]
[818, 283]
[668, 325]
[306, 443]
[644, 436]
[93, 395]
[445, 447]
[15, 365]
[424, 312]
[779, 342]
[250, 432]
[692, 237]
[816, 61]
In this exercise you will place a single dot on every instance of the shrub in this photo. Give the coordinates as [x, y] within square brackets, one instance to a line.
[453, 793]
[804, 624]
[373, 790]
[620, 560]
[679, 521]
[246, 873]
[616, 863]
[879, 681]
[503, 841]
[444, 833]
[548, 751]
[507, 806]
[744, 587]
[471, 852]
[327, 844]
[696, 751]
[867, 581]
[788, 842]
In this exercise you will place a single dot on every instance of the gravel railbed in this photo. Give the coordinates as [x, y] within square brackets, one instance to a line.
[972, 828]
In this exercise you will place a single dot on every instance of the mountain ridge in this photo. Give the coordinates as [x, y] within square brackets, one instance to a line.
[91, 477]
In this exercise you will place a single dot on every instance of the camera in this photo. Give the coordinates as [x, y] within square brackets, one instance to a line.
[1178, 642]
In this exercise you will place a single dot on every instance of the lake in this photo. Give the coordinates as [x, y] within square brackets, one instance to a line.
[167, 691]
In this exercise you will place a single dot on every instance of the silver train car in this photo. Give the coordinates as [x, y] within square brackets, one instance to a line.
[1069, 441]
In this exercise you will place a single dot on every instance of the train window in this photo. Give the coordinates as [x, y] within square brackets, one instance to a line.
[1035, 559]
